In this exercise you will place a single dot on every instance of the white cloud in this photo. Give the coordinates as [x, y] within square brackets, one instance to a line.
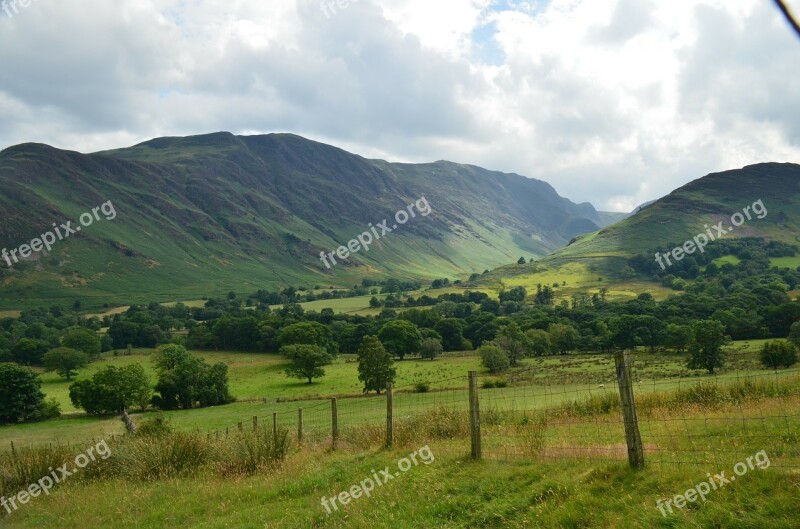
[612, 101]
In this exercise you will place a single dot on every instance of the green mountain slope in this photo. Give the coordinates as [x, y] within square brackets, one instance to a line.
[600, 259]
[203, 215]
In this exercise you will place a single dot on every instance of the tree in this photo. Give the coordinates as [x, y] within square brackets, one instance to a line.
[452, 332]
[21, 397]
[112, 390]
[431, 348]
[307, 361]
[374, 365]
[65, 361]
[515, 294]
[563, 337]
[778, 353]
[705, 349]
[186, 381]
[493, 358]
[513, 341]
[308, 333]
[538, 342]
[170, 356]
[400, 337]
[678, 337]
[29, 351]
[82, 339]
[794, 334]
[521, 261]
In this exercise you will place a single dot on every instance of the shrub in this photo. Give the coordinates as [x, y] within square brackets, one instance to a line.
[779, 353]
[155, 427]
[493, 358]
[148, 458]
[28, 465]
[247, 453]
[422, 387]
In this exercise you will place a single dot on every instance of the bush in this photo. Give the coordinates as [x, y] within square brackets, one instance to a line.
[493, 358]
[155, 427]
[422, 387]
[247, 453]
[779, 353]
[149, 458]
[431, 348]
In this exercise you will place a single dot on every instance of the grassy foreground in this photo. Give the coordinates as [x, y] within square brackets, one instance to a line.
[451, 492]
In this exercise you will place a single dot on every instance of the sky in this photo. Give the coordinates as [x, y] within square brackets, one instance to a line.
[613, 102]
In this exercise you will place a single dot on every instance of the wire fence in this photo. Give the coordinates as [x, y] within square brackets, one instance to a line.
[675, 417]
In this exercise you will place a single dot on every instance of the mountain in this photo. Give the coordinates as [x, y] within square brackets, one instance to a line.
[203, 215]
[600, 259]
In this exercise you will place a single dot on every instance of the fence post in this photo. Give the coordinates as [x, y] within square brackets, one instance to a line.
[474, 416]
[255, 423]
[632, 436]
[334, 424]
[275, 427]
[240, 426]
[389, 416]
[300, 426]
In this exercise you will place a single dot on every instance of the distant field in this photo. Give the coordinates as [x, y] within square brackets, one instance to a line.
[727, 259]
[360, 305]
[580, 277]
[120, 310]
[785, 262]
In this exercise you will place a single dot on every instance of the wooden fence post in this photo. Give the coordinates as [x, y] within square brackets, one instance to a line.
[300, 426]
[389, 416]
[275, 427]
[334, 424]
[255, 423]
[632, 436]
[474, 416]
[240, 426]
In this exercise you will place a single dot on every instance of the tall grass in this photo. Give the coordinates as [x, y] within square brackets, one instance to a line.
[160, 453]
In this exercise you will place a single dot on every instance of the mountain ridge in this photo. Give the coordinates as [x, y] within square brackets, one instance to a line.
[204, 214]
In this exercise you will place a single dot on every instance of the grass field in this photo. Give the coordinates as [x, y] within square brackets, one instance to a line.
[449, 493]
[262, 388]
[564, 473]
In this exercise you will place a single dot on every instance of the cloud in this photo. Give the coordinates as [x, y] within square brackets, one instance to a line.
[612, 101]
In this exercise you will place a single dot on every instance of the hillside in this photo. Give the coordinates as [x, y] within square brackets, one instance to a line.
[203, 215]
[600, 259]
